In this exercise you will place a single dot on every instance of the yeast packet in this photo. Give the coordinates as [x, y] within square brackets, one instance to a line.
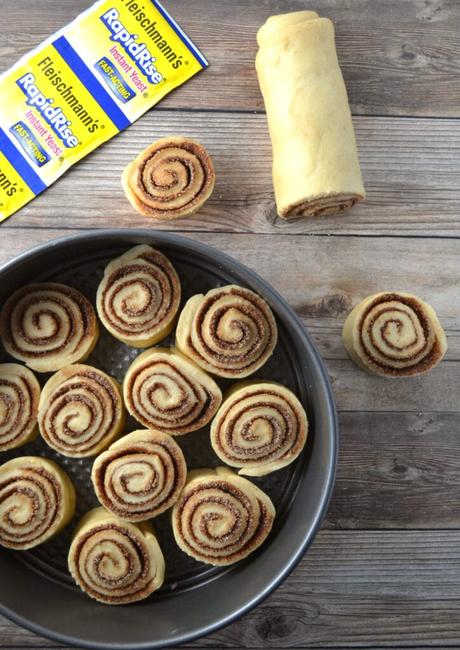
[82, 86]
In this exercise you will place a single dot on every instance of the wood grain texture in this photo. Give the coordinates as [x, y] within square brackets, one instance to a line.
[411, 170]
[347, 592]
[398, 57]
[384, 571]
[323, 277]
[397, 470]
[309, 273]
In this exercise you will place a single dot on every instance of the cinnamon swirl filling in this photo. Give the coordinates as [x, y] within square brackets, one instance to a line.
[48, 326]
[260, 427]
[139, 296]
[221, 518]
[81, 411]
[113, 561]
[140, 476]
[168, 393]
[19, 396]
[394, 334]
[170, 179]
[37, 499]
[230, 332]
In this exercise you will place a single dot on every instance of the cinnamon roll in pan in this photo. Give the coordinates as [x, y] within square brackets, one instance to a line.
[139, 296]
[260, 427]
[140, 476]
[220, 518]
[48, 326]
[114, 561]
[81, 411]
[169, 393]
[19, 397]
[230, 332]
[37, 500]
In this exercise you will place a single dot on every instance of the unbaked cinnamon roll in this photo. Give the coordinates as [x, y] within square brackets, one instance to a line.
[230, 331]
[394, 334]
[139, 296]
[260, 428]
[315, 163]
[170, 179]
[37, 499]
[168, 393]
[140, 476]
[113, 561]
[19, 396]
[48, 326]
[81, 411]
[220, 517]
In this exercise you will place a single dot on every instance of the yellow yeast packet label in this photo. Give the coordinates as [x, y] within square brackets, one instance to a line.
[82, 86]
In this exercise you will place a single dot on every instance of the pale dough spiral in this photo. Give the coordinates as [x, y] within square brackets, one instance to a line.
[139, 296]
[220, 517]
[113, 561]
[167, 392]
[19, 396]
[48, 326]
[230, 332]
[260, 428]
[394, 334]
[170, 179]
[140, 476]
[37, 499]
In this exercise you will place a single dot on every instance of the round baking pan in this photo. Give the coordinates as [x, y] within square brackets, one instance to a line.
[36, 590]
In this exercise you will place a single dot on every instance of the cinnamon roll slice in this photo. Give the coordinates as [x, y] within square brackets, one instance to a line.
[139, 296]
[140, 476]
[260, 428]
[168, 393]
[220, 517]
[37, 499]
[81, 411]
[113, 561]
[19, 395]
[48, 326]
[170, 179]
[230, 331]
[394, 334]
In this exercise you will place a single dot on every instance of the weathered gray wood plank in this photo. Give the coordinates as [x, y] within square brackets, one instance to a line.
[397, 470]
[397, 57]
[411, 170]
[352, 589]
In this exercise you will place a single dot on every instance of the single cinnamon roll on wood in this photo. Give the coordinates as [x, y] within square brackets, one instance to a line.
[230, 331]
[394, 334]
[220, 517]
[168, 393]
[81, 411]
[37, 499]
[139, 296]
[260, 428]
[48, 326]
[170, 179]
[113, 561]
[19, 396]
[140, 476]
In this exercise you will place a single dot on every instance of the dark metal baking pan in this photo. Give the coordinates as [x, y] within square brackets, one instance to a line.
[36, 590]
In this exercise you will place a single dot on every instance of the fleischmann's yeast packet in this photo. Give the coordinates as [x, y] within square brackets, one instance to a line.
[81, 87]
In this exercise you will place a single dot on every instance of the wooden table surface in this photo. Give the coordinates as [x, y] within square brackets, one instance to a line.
[385, 569]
